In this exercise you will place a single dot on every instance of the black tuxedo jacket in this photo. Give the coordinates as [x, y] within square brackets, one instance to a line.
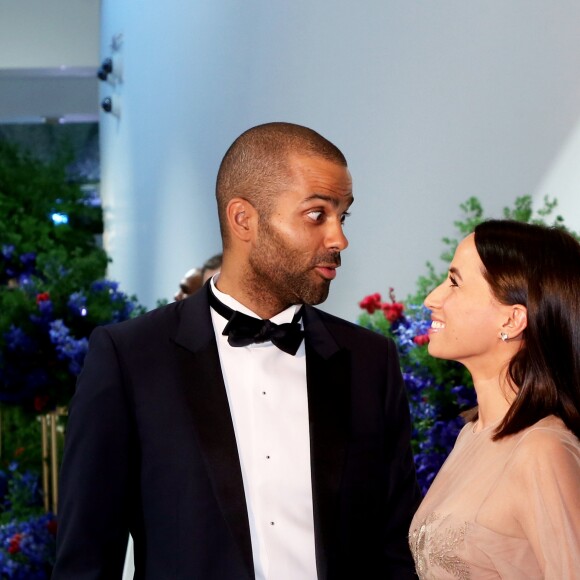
[150, 449]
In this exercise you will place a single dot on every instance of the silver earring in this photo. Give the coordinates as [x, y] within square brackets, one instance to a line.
[503, 336]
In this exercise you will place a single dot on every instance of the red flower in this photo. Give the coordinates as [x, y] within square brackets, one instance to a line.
[19, 451]
[51, 526]
[40, 402]
[42, 297]
[14, 543]
[371, 303]
[393, 310]
[421, 339]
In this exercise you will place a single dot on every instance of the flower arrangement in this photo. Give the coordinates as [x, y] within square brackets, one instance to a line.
[53, 293]
[27, 535]
[45, 339]
[53, 290]
[439, 391]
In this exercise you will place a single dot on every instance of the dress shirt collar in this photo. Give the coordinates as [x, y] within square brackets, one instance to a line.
[280, 318]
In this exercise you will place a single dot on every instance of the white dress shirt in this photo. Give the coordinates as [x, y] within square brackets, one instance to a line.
[266, 390]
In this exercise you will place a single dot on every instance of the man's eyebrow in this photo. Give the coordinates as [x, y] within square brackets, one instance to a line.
[454, 270]
[328, 198]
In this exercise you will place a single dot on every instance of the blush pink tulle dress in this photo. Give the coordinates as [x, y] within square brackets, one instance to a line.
[505, 509]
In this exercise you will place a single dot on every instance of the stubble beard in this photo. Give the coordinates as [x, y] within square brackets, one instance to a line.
[278, 276]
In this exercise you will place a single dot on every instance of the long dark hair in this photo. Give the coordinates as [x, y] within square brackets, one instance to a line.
[538, 267]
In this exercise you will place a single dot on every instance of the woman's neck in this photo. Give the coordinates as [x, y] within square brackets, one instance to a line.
[494, 398]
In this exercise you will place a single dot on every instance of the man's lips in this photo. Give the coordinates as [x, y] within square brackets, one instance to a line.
[328, 272]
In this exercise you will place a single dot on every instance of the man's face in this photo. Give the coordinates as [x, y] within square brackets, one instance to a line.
[207, 274]
[298, 245]
[190, 283]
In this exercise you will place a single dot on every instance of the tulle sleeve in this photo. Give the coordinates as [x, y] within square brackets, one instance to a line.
[545, 475]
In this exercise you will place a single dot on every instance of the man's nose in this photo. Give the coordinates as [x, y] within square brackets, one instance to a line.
[335, 238]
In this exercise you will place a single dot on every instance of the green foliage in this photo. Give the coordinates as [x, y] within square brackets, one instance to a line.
[377, 322]
[30, 192]
[21, 438]
[22, 496]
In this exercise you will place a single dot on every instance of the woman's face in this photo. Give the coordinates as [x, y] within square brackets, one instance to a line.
[466, 318]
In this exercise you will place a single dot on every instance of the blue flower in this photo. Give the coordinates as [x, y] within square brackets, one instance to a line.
[8, 251]
[25, 280]
[67, 347]
[104, 285]
[415, 323]
[17, 340]
[125, 306]
[28, 260]
[77, 303]
[27, 548]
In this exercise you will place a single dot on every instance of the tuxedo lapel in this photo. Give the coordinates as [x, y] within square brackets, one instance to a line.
[329, 390]
[208, 403]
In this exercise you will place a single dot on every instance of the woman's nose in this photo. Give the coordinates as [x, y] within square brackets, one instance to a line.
[433, 299]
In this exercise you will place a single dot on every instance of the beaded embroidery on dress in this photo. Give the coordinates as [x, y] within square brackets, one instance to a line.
[438, 549]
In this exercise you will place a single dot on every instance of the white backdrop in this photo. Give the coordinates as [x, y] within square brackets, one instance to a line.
[431, 102]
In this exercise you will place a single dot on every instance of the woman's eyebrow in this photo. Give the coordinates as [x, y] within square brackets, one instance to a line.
[455, 271]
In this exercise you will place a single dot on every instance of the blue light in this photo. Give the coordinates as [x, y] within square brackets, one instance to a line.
[59, 218]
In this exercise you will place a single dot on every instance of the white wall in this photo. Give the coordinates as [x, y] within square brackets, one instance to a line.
[49, 33]
[562, 180]
[49, 54]
[431, 102]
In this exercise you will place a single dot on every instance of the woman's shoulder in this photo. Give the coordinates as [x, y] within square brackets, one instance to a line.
[545, 464]
[549, 439]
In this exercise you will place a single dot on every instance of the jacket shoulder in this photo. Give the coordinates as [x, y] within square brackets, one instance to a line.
[345, 330]
[161, 316]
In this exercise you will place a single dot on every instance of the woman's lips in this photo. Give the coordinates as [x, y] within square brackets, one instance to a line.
[436, 326]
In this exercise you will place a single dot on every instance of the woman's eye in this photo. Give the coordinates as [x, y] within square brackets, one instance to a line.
[453, 281]
[343, 217]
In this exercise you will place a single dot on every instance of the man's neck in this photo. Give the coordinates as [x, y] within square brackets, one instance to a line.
[257, 307]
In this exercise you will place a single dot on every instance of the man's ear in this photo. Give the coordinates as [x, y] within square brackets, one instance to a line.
[517, 321]
[242, 218]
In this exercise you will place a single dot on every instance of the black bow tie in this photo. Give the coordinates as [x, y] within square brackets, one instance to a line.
[243, 330]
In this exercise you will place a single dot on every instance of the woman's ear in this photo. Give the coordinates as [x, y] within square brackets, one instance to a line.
[241, 216]
[517, 321]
